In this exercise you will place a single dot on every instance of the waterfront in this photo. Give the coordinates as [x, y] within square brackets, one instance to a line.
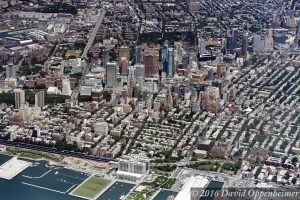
[36, 183]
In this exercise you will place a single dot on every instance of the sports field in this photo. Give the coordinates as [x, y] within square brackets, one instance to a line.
[90, 188]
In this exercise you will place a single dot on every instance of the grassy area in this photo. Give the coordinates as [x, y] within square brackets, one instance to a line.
[33, 154]
[232, 167]
[162, 182]
[151, 187]
[166, 168]
[9, 98]
[91, 187]
[145, 195]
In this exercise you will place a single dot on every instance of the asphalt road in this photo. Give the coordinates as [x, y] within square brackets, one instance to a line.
[93, 34]
[53, 150]
[85, 52]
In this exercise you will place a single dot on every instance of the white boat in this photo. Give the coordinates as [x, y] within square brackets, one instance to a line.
[122, 197]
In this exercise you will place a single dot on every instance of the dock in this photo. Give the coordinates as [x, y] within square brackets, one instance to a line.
[13, 167]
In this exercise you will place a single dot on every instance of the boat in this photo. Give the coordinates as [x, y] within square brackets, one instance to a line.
[122, 197]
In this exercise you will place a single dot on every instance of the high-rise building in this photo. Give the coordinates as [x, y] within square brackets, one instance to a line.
[10, 71]
[232, 37]
[201, 46]
[235, 36]
[105, 56]
[169, 100]
[139, 73]
[40, 99]
[138, 55]
[230, 44]
[258, 43]
[150, 61]
[185, 60]
[111, 74]
[165, 58]
[19, 98]
[269, 42]
[131, 73]
[97, 95]
[123, 52]
[66, 87]
[171, 61]
[133, 167]
[244, 51]
[178, 52]
[124, 64]
[224, 44]
[219, 70]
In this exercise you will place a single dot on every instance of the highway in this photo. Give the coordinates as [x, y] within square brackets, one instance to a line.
[85, 52]
[53, 150]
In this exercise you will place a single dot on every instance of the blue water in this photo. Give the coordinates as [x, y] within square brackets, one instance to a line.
[61, 181]
[4, 158]
[4, 35]
[213, 186]
[115, 191]
[164, 194]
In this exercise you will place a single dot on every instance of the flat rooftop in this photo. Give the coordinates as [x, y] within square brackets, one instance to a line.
[13, 167]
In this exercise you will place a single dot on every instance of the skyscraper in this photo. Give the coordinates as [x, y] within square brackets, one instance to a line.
[131, 72]
[123, 52]
[165, 58]
[244, 51]
[105, 56]
[171, 61]
[178, 52]
[232, 37]
[111, 74]
[124, 64]
[269, 42]
[10, 71]
[139, 71]
[201, 46]
[258, 43]
[19, 98]
[169, 100]
[40, 99]
[138, 55]
[150, 61]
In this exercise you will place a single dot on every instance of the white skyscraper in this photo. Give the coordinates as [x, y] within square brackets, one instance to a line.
[19, 98]
[10, 71]
[201, 46]
[40, 99]
[258, 43]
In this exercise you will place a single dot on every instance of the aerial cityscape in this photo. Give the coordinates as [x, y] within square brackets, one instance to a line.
[149, 99]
